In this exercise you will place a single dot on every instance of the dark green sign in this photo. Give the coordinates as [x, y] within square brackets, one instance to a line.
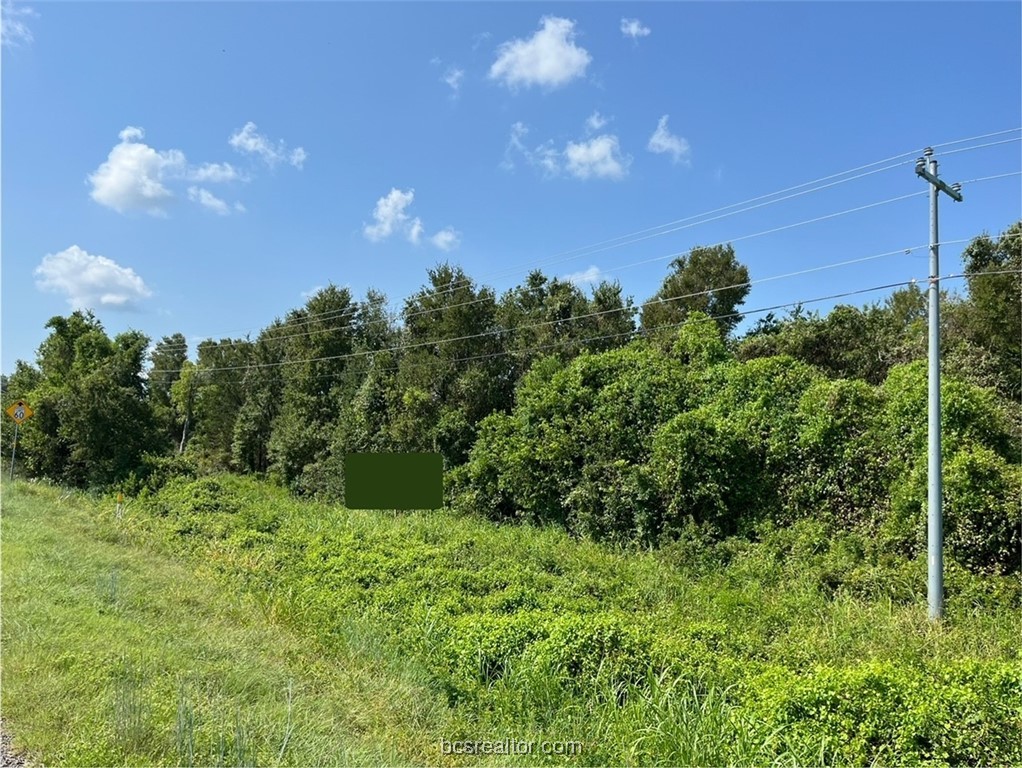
[393, 480]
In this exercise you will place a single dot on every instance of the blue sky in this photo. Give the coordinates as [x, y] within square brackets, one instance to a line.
[198, 167]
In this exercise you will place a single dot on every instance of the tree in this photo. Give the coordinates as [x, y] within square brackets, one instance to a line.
[707, 279]
[167, 358]
[317, 345]
[93, 420]
[553, 317]
[215, 390]
[995, 321]
[452, 372]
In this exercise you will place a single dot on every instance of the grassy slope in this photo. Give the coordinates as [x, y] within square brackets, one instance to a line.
[378, 619]
[115, 654]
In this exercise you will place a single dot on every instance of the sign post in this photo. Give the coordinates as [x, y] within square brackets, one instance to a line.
[19, 411]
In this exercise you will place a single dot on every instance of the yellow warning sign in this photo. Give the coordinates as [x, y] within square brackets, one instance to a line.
[19, 411]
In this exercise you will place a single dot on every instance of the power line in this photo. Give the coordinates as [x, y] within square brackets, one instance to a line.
[980, 146]
[988, 178]
[501, 331]
[350, 311]
[582, 341]
[585, 250]
[974, 138]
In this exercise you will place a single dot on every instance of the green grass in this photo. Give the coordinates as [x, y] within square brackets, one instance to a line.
[115, 654]
[222, 622]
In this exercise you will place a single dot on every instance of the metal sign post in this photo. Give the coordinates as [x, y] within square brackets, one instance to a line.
[19, 411]
[14, 449]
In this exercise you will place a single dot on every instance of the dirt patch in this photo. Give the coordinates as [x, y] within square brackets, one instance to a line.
[9, 758]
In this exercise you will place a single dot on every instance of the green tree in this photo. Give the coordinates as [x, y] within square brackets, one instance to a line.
[707, 279]
[317, 345]
[995, 321]
[215, 388]
[452, 372]
[93, 421]
[166, 360]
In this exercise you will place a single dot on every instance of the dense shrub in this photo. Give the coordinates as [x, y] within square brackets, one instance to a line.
[982, 512]
[969, 415]
[580, 650]
[836, 465]
[963, 714]
[982, 516]
[704, 471]
[598, 410]
[614, 501]
[154, 472]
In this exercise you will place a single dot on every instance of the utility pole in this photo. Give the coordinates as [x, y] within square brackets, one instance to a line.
[935, 491]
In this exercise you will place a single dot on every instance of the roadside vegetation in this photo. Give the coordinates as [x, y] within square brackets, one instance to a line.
[660, 541]
[219, 615]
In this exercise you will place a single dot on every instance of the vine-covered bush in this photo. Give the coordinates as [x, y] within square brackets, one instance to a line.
[961, 714]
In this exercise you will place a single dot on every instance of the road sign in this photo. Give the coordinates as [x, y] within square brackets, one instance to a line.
[19, 411]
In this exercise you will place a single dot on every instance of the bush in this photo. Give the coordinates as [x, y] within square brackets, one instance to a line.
[598, 410]
[614, 502]
[982, 516]
[963, 713]
[578, 650]
[837, 465]
[154, 472]
[705, 472]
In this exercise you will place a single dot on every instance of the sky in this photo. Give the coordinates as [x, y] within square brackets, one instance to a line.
[203, 167]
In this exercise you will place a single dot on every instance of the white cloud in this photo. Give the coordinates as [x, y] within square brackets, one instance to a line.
[249, 141]
[479, 39]
[453, 78]
[311, 292]
[634, 29]
[389, 214]
[13, 30]
[595, 122]
[600, 157]
[137, 177]
[588, 276]
[415, 230]
[664, 142]
[514, 145]
[446, 239]
[132, 176]
[240, 208]
[207, 199]
[90, 281]
[215, 173]
[549, 58]
[545, 156]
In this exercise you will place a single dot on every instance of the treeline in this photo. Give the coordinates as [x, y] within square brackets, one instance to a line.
[620, 421]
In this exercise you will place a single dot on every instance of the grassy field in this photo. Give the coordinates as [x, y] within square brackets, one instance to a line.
[221, 622]
[116, 654]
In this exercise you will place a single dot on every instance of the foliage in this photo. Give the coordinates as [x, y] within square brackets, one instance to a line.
[705, 473]
[708, 280]
[779, 646]
[993, 269]
[92, 418]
